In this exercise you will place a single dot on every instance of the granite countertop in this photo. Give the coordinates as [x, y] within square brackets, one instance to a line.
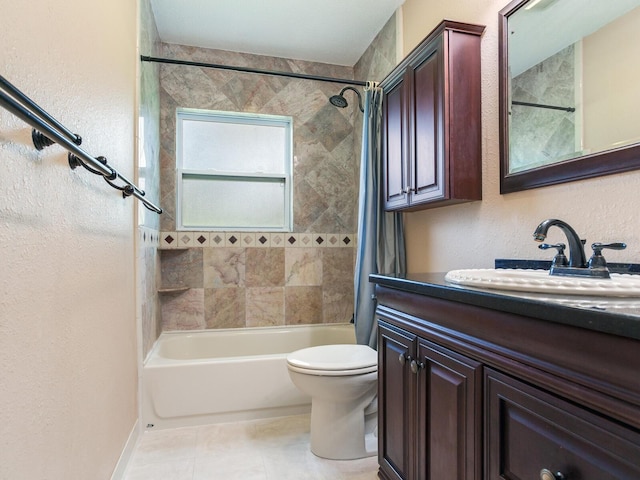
[617, 316]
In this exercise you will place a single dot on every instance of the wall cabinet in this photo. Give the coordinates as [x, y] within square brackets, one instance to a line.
[466, 392]
[431, 132]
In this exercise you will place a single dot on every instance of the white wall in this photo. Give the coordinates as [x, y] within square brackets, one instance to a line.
[500, 226]
[67, 295]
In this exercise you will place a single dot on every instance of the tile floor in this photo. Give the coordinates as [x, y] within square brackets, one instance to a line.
[269, 449]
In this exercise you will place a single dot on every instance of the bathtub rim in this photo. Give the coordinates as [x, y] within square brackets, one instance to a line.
[154, 359]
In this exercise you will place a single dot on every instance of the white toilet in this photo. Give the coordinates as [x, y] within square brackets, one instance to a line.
[342, 383]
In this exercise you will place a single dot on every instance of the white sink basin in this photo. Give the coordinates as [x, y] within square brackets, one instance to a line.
[539, 281]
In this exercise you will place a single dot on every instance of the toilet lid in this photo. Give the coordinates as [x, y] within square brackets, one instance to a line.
[361, 358]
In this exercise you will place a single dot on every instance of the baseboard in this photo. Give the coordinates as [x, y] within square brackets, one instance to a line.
[127, 451]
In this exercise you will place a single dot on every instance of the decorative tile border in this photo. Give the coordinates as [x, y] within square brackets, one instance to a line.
[170, 240]
[148, 237]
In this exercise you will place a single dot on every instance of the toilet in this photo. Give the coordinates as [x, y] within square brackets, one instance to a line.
[342, 383]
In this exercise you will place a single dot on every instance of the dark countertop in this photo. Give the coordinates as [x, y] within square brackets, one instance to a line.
[616, 316]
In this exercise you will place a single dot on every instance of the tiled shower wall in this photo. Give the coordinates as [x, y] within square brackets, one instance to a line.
[241, 286]
[148, 260]
[302, 277]
[538, 135]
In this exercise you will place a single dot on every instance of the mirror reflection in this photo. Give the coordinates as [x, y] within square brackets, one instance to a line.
[572, 77]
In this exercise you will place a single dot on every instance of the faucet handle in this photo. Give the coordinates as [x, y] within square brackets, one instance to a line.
[597, 259]
[613, 246]
[560, 258]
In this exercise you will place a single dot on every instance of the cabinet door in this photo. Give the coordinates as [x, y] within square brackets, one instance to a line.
[449, 414]
[394, 145]
[396, 402]
[529, 430]
[426, 149]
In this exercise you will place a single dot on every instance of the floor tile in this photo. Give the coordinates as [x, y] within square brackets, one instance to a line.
[268, 449]
[163, 445]
[181, 469]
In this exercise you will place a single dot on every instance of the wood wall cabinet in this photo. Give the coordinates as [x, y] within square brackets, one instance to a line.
[431, 131]
[467, 392]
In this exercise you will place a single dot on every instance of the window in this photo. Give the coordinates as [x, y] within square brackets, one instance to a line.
[233, 171]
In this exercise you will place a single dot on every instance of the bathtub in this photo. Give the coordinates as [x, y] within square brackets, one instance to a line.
[212, 376]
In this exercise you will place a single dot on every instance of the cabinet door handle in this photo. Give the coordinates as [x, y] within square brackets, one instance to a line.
[547, 475]
[416, 366]
[408, 190]
[404, 358]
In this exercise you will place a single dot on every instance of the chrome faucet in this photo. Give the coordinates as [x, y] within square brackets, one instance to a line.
[577, 265]
[577, 258]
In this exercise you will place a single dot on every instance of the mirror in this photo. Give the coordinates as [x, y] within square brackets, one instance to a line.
[569, 96]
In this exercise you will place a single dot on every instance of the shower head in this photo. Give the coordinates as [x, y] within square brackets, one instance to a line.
[338, 101]
[341, 102]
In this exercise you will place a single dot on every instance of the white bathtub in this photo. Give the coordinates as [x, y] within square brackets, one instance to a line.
[211, 376]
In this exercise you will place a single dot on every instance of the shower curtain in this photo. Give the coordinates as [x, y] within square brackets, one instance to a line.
[381, 246]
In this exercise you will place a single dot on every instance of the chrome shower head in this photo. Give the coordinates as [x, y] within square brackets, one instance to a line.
[341, 102]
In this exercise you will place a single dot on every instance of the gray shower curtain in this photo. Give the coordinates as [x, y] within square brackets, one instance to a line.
[381, 246]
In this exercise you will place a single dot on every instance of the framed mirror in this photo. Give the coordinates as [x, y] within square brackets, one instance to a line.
[568, 90]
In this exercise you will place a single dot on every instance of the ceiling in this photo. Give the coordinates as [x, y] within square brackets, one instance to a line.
[327, 31]
[556, 24]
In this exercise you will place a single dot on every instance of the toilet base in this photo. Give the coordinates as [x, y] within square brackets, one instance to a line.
[339, 434]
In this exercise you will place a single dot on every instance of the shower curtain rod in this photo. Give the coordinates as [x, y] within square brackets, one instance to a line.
[303, 76]
[539, 105]
[47, 131]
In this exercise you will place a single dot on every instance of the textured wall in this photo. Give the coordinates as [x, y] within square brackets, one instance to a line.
[500, 226]
[244, 280]
[67, 302]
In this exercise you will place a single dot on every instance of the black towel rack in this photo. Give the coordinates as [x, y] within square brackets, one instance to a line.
[47, 131]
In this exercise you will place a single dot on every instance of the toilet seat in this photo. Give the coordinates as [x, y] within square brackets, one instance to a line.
[334, 360]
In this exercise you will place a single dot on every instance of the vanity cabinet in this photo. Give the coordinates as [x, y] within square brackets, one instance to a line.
[431, 128]
[532, 434]
[469, 392]
[430, 415]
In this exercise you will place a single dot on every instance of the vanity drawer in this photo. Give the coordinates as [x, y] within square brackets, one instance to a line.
[528, 430]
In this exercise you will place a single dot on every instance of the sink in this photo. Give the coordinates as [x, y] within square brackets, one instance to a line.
[539, 281]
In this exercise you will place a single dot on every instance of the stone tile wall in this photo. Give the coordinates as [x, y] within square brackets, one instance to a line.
[230, 287]
[148, 261]
[264, 279]
[539, 135]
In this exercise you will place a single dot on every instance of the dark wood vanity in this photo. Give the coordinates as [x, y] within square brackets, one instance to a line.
[475, 384]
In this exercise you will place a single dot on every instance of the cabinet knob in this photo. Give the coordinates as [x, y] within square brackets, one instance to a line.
[403, 358]
[416, 366]
[547, 475]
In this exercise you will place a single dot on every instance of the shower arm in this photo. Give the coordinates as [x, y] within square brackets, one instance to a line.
[357, 93]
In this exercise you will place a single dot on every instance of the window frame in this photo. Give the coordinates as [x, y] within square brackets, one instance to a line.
[220, 116]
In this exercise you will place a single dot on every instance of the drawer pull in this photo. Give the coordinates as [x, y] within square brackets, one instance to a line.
[547, 475]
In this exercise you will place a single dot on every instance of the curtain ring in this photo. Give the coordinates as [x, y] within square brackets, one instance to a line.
[371, 85]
